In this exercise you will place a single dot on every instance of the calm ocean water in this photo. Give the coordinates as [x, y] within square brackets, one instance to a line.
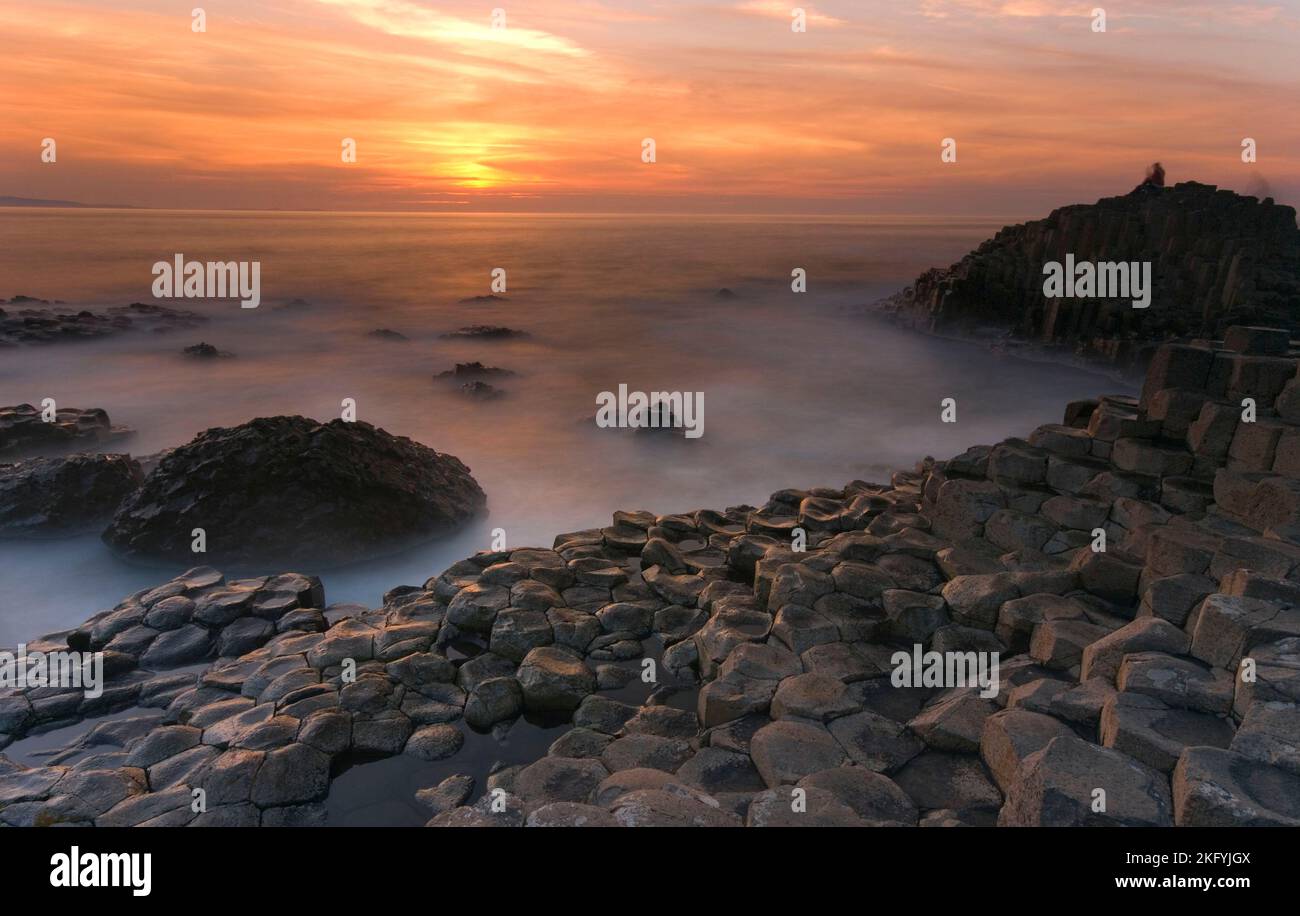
[800, 390]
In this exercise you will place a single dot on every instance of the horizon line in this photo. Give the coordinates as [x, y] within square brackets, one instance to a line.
[79, 207]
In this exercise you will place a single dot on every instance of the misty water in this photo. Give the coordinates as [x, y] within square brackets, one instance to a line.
[799, 390]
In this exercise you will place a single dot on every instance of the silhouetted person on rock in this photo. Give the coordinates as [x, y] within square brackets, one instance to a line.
[1155, 178]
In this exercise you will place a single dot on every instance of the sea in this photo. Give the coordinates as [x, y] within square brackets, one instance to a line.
[800, 388]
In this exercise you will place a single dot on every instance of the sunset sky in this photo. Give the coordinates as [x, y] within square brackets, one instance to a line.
[549, 113]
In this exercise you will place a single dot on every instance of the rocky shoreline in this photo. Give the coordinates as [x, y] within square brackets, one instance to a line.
[1218, 259]
[1152, 682]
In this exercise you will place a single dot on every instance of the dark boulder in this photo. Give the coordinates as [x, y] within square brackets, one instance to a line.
[55, 497]
[203, 350]
[24, 431]
[292, 488]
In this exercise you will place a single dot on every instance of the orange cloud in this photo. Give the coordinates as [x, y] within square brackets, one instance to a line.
[550, 111]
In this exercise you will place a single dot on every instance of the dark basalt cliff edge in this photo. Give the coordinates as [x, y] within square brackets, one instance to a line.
[1217, 258]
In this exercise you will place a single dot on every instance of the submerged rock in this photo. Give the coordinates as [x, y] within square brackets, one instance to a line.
[481, 391]
[48, 325]
[291, 487]
[204, 351]
[485, 331]
[473, 370]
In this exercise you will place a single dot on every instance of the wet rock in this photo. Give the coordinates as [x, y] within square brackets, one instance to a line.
[480, 390]
[58, 497]
[32, 325]
[554, 679]
[484, 332]
[474, 370]
[495, 809]
[383, 733]
[335, 491]
[203, 351]
[446, 795]
[24, 431]
[434, 742]
[493, 700]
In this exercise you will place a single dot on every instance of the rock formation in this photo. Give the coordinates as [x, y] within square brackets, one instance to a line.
[52, 325]
[1217, 259]
[23, 431]
[54, 497]
[484, 332]
[1135, 570]
[295, 489]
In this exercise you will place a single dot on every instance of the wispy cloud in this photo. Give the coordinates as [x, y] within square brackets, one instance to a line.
[551, 110]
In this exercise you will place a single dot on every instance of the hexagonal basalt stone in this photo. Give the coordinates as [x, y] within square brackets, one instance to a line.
[812, 696]
[646, 752]
[475, 606]
[1151, 732]
[435, 742]
[788, 750]
[1219, 788]
[1058, 787]
[554, 679]
[515, 632]
[553, 779]
[291, 775]
[493, 700]
[188, 643]
[875, 798]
